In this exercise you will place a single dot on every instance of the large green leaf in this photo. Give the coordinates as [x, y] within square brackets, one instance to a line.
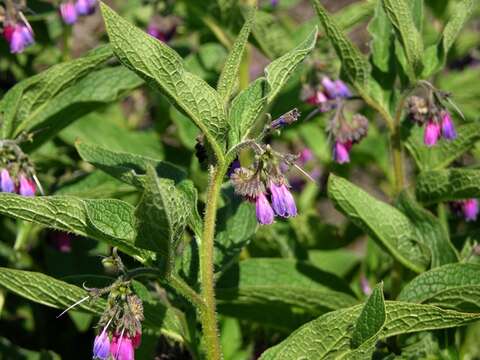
[279, 71]
[445, 152]
[29, 98]
[354, 65]
[161, 216]
[279, 292]
[51, 292]
[107, 220]
[229, 76]
[127, 167]
[390, 228]
[430, 230]
[164, 69]
[447, 185]
[330, 335]
[93, 91]
[371, 319]
[401, 17]
[453, 286]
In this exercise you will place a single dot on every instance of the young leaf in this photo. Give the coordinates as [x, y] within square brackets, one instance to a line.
[382, 39]
[286, 294]
[453, 286]
[371, 319]
[245, 110]
[229, 75]
[445, 152]
[161, 67]
[127, 167]
[161, 216]
[330, 335]
[447, 185]
[105, 220]
[279, 71]
[430, 230]
[354, 65]
[87, 95]
[29, 97]
[400, 15]
[386, 225]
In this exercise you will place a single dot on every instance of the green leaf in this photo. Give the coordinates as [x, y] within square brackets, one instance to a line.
[279, 71]
[330, 335]
[29, 98]
[355, 66]
[382, 39]
[161, 216]
[236, 226]
[162, 68]
[371, 319]
[51, 292]
[107, 220]
[445, 152]
[401, 17]
[286, 294]
[386, 225]
[245, 110]
[229, 76]
[452, 286]
[447, 185]
[429, 229]
[90, 93]
[127, 167]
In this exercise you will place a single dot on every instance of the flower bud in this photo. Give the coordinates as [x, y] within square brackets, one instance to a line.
[68, 13]
[417, 109]
[85, 7]
[341, 152]
[263, 210]
[122, 348]
[282, 200]
[448, 128]
[329, 87]
[21, 37]
[6, 183]
[27, 186]
[286, 119]
[432, 133]
[101, 346]
[137, 340]
[8, 30]
[470, 209]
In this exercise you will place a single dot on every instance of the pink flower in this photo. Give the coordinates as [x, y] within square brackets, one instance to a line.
[341, 152]
[122, 348]
[101, 346]
[448, 128]
[470, 209]
[282, 200]
[27, 186]
[6, 183]
[264, 210]
[68, 13]
[85, 7]
[431, 134]
[20, 38]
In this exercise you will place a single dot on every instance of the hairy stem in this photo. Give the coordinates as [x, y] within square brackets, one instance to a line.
[397, 148]
[208, 316]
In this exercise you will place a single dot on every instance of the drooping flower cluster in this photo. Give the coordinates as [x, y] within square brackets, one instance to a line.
[325, 94]
[344, 134]
[16, 30]
[467, 208]
[71, 10]
[432, 113]
[17, 174]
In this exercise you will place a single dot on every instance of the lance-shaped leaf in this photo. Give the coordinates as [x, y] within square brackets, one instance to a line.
[287, 293]
[127, 167]
[245, 110]
[401, 17]
[105, 220]
[390, 228]
[46, 290]
[447, 185]
[453, 286]
[229, 76]
[430, 230]
[354, 65]
[445, 152]
[28, 98]
[371, 319]
[161, 216]
[87, 95]
[279, 71]
[330, 335]
[163, 69]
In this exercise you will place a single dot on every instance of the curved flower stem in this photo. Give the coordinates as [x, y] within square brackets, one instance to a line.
[208, 317]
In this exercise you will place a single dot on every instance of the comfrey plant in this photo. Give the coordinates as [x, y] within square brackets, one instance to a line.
[183, 173]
